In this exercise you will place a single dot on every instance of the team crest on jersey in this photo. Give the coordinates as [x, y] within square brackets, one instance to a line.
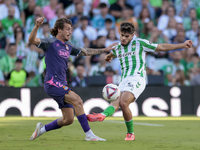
[65, 88]
[67, 47]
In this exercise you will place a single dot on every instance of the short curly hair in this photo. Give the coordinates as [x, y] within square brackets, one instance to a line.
[127, 27]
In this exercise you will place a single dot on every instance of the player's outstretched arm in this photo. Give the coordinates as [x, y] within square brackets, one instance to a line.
[92, 51]
[32, 38]
[168, 47]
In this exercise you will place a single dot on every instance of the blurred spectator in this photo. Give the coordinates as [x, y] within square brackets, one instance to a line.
[31, 61]
[92, 60]
[188, 53]
[75, 19]
[198, 46]
[170, 70]
[109, 71]
[79, 80]
[170, 31]
[4, 10]
[157, 36]
[100, 67]
[2, 37]
[17, 77]
[150, 65]
[59, 14]
[164, 19]
[49, 10]
[111, 38]
[42, 3]
[145, 3]
[30, 22]
[179, 78]
[126, 16]
[98, 21]
[187, 20]
[143, 18]
[147, 30]
[116, 8]
[108, 26]
[7, 62]
[85, 30]
[8, 22]
[192, 34]
[95, 9]
[28, 11]
[70, 11]
[20, 42]
[45, 30]
[183, 9]
[193, 66]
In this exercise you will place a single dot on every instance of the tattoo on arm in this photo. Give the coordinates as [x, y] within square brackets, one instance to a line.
[91, 51]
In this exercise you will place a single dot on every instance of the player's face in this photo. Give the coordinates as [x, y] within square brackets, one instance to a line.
[67, 31]
[125, 38]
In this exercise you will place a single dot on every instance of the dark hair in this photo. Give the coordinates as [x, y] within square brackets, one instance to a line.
[11, 44]
[108, 20]
[140, 17]
[127, 27]
[102, 5]
[80, 64]
[59, 25]
[15, 32]
[195, 55]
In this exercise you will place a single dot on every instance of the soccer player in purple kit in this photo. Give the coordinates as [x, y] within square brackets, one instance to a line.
[57, 51]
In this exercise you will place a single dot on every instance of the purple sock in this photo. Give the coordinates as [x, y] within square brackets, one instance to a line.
[52, 125]
[84, 123]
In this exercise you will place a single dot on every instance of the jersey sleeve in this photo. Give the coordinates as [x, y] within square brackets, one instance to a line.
[75, 49]
[44, 44]
[148, 46]
[114, 51]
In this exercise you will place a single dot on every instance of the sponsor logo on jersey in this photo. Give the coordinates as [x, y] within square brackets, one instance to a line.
[67, 47]
[63, 53]
[129, 84]
[126, 54]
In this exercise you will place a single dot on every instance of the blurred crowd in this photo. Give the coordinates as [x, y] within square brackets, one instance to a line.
[96, 24]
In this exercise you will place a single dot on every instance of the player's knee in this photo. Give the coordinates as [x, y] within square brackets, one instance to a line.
[79, 103]
[123, 104]
[68, 121]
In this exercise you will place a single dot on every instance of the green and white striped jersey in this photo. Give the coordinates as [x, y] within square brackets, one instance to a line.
[132, 56]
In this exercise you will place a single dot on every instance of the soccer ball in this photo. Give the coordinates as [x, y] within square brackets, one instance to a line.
[111, 92]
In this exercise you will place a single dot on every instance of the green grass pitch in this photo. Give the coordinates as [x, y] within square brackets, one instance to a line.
[167, 133]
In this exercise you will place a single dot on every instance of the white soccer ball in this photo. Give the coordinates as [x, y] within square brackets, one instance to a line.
[111, 92]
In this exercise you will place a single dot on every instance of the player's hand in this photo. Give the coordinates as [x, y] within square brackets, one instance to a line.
[110, 47]
[39, 21]
[188, 44]
[109, 57]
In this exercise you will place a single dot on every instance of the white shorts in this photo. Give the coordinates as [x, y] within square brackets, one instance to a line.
[133, 84]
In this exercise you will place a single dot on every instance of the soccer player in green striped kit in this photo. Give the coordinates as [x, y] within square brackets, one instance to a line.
[131, 53]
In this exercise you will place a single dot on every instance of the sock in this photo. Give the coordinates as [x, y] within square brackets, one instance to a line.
[89, 133]
[129, 126]
[84, 123]
[43, 130]
[109, 111]
[52, 126]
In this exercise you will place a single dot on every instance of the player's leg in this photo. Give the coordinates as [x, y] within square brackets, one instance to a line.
[126, 99]
[114, 106]
[67, 119]
[75, 100]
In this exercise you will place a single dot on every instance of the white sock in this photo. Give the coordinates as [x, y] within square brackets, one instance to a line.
[43, 130]
[89, 133]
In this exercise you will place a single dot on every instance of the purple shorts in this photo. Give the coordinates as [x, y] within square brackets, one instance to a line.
[57, 91]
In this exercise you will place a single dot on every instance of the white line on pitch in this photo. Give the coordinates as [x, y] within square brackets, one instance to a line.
[137, 123]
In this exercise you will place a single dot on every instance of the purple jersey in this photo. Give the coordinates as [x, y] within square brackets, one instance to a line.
[56, 58]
